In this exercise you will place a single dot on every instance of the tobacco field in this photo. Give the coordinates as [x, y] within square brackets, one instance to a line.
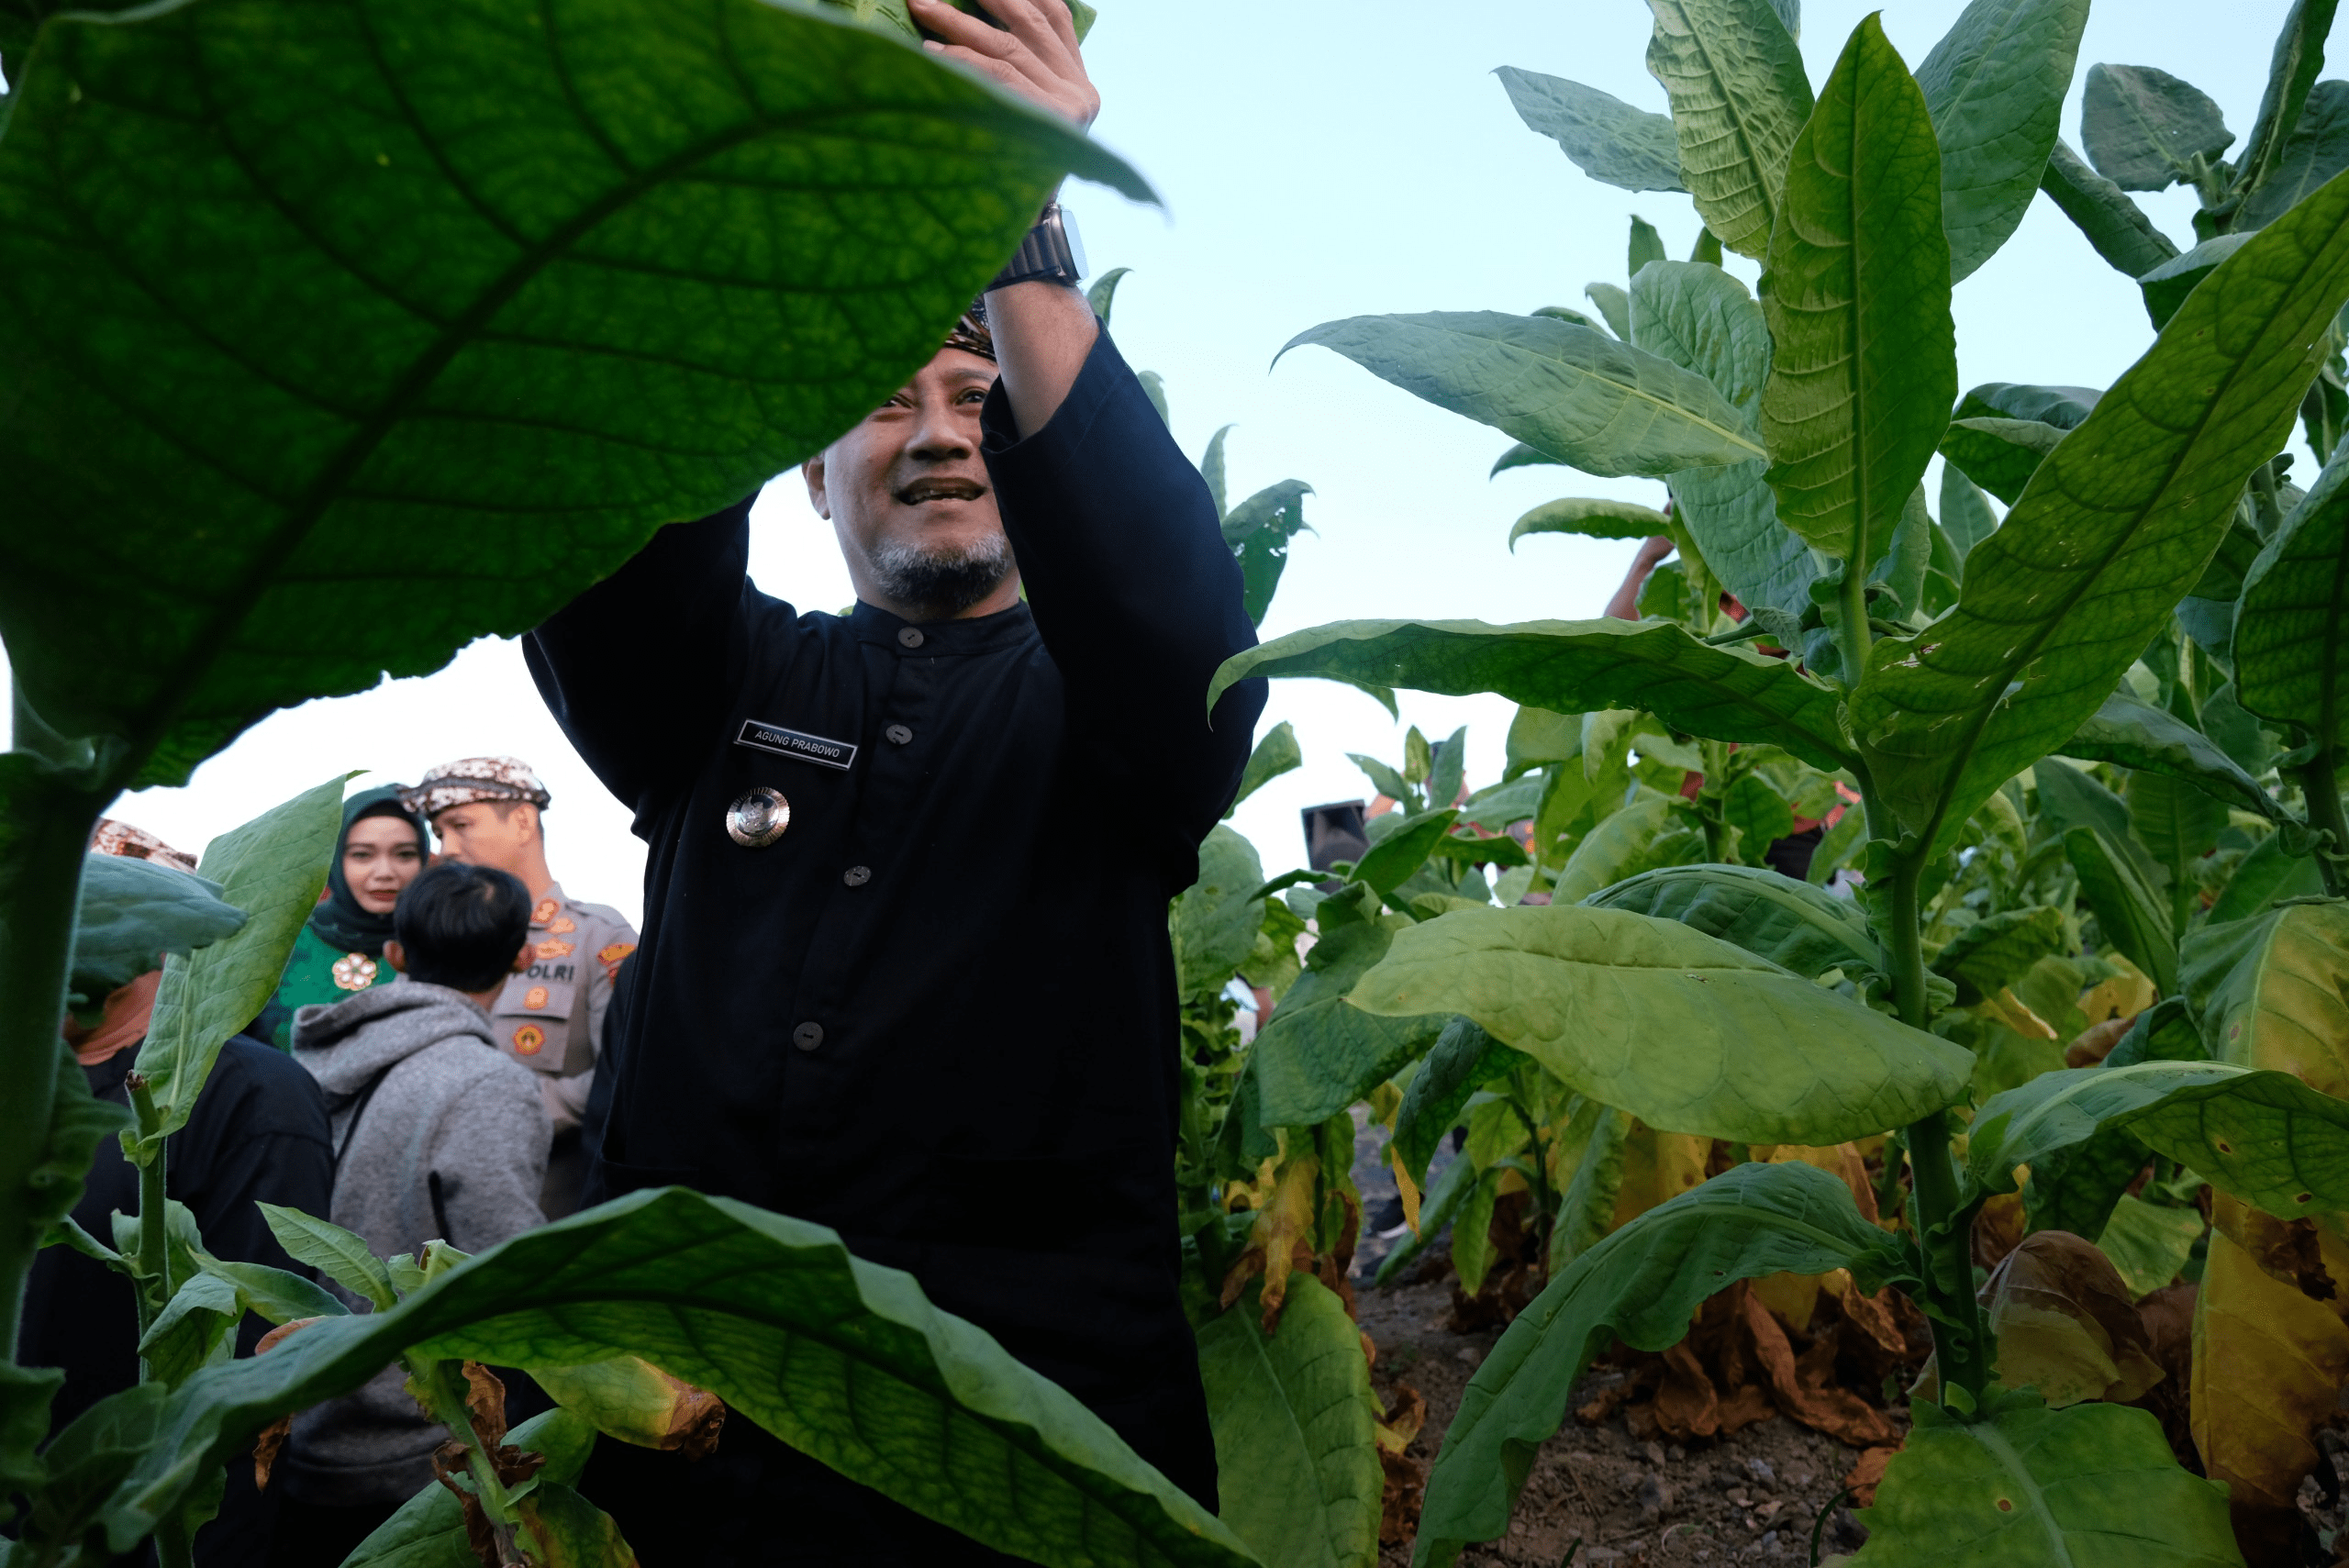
[1996, 1140]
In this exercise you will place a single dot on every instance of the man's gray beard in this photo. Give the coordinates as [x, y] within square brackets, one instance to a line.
[945, 577]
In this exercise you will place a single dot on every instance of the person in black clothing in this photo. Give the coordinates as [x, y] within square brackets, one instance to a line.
[257, 1133]
[859, 832]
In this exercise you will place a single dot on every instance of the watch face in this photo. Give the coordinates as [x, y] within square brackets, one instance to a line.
[1075, 242]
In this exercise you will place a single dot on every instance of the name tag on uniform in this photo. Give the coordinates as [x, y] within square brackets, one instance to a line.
[761, 736]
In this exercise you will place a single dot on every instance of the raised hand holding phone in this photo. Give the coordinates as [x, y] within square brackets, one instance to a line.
[1033, 52]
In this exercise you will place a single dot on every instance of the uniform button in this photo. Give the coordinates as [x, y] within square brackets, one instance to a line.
[899, 734]
[909, 636]
[808, 1037]
[857, 876]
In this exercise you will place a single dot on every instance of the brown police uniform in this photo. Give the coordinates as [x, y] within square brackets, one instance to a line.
[549, 1017]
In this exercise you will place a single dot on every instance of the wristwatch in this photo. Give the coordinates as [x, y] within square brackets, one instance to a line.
[1051, 252]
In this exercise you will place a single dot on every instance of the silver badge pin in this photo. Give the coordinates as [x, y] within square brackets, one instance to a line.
[758, 818]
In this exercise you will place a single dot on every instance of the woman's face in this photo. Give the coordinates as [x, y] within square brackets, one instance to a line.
[379, 858]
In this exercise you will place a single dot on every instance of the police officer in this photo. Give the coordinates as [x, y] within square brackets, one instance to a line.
[487, 811]
[859, 848]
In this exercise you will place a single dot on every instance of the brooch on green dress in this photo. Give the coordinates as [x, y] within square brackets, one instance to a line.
[355, 972]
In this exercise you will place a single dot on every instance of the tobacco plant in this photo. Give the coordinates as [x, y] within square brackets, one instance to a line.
[337, 337]
[2156, 589]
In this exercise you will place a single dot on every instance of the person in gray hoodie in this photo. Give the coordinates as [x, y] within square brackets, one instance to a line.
[437, 1133]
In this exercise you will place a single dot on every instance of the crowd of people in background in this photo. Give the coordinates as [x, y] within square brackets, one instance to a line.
[421, 1073]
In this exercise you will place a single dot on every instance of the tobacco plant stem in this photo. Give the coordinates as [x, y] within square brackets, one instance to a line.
[154, 1265]
[445, 1380]
[40, 881]
[1946, 1244]
[2322, 787]
[1851, 636]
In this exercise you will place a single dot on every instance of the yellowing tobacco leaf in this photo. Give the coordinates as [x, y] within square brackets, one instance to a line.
[2268, 1366]
[1657, 1168]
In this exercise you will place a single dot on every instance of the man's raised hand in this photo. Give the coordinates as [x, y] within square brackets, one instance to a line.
[1034, 53]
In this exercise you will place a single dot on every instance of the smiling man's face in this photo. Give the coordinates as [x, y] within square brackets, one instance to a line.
[908, 496]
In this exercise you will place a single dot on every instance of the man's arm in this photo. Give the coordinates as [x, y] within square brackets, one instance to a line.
[640, 670]
[1137, 596]
[1042, 331]
[489, 1159]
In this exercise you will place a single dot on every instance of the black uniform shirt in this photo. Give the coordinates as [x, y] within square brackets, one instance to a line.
[939, 1012]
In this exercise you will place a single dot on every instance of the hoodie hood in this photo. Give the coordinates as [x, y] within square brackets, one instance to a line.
[347, 1044]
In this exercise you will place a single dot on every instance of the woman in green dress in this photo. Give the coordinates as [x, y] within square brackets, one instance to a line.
[341, 951]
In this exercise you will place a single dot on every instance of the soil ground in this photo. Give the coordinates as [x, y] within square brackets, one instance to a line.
[1750, 1498]
[1598, 1492]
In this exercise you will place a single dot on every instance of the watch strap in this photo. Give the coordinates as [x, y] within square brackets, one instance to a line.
[1045, 255]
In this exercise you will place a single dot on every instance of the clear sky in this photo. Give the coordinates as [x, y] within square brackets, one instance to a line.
[1317, 160]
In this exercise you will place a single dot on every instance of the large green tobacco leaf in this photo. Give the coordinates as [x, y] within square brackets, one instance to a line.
[2068, 798]
[1637, 837]
[2317, 150]
[1216, 920]
[1739, 99]
[1639, 1285]
[2263, 876]
[2144, 128]
[2284, 106]
[1404, 849]
[2118, 523]
[1571, 391]
[2117, 226]
[1702, 319]
[1858, 297]
[272, 868]
[2274, 992]
[1593, 518]
[2134, 916]
[1614, 143]
[512, 284]
[843, 1359]
[2179, 825]
[2290, 651]
[1996, 85]
[2139, 735]
[1725, 694]
[2000, 455]
[1295, 1452]
[1275, 754]
[1259, 531]
[1316, 1055]
[1683, 1030]
[1792, 924]
[2265, 1136]
[131, 911]
[1462, 1060]
[2091, 1486]
[2066, 407]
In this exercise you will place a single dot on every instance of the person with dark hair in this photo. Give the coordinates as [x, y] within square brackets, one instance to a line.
[437, 1133]
[490, 811]
[341, 949]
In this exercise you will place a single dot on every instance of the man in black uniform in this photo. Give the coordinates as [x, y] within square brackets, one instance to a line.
[865, 837]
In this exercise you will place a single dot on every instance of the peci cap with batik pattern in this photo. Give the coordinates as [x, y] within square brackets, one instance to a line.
[470, 778]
